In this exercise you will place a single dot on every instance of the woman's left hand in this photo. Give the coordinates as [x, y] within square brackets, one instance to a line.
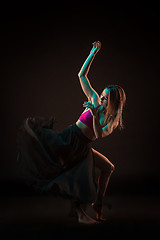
[96, 47]
[90, 106]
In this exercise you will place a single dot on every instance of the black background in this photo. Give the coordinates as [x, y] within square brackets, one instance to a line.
[42, 50]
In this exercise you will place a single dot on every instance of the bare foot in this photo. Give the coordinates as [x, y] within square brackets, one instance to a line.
[84, 218]
[98, 209]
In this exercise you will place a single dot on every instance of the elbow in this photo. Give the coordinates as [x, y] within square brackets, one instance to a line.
[80, 74]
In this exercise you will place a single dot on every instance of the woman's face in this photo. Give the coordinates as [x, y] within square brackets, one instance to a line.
[104, 98]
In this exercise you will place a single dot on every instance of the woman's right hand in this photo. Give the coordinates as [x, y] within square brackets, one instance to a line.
[96, 47]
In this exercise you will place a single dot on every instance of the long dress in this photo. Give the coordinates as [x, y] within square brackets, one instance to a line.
[47, 158]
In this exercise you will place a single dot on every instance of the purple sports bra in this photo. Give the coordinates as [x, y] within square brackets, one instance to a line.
[87, 118]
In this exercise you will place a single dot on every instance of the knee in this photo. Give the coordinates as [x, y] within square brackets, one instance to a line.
[108, 170]
[112, 168]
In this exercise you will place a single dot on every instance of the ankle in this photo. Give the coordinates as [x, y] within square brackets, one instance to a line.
[98, 209]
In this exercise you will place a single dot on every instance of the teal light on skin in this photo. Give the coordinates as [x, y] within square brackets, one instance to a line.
[104, 98]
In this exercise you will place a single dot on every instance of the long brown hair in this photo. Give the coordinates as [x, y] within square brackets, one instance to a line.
[116, 102]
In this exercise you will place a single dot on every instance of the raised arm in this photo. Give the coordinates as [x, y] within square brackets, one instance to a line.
[84, 81]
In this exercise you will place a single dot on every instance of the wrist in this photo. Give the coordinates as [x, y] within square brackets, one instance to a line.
[93, 53]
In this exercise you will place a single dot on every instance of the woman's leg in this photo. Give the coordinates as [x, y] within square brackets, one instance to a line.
[106, 169]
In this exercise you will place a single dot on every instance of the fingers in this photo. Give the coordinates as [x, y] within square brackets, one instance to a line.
[94, 44]
[96, 47]
[88, 104]
[97, 44]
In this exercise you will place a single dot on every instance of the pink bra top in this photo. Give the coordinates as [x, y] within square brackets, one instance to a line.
[87, 118]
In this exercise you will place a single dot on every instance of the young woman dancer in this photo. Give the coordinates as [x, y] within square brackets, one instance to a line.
[48, 158]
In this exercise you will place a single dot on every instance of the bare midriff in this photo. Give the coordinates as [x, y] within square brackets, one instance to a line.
[88, 132]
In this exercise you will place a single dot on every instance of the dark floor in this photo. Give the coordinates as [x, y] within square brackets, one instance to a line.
[31, 216]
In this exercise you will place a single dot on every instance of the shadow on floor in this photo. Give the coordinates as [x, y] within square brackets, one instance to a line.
[39, 217]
